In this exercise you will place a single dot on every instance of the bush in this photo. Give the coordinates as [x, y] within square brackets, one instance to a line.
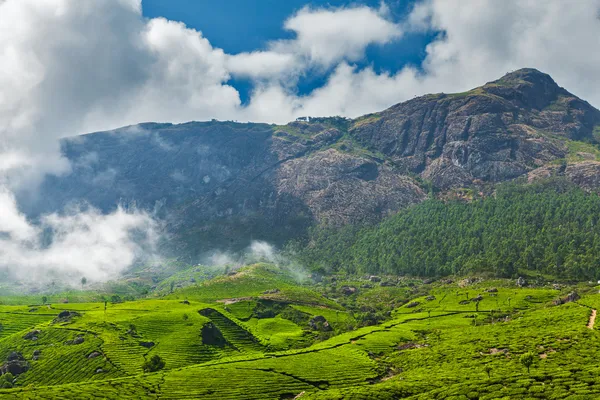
[7, 381]
[154, 364]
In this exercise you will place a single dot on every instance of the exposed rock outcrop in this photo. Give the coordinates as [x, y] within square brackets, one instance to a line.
[493, 133]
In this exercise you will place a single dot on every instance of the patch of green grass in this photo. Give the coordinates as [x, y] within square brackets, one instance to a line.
[279, 332]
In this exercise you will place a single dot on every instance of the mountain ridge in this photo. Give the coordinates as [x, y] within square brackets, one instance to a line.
[223, 184]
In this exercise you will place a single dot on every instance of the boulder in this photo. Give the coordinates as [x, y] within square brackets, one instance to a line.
[32, 335]
[463, 302]
[387, 284]
[319, 323]
[147, 345]
[492, 290]
[15, 364]
[430, 298]
[521, 282]
[573, 296]
[95, 354]
[348, 290]
[65, 316]
[374, 278]
[467, 282]
[76, 341]
[478, 298]
[412, 304]
[271, 291]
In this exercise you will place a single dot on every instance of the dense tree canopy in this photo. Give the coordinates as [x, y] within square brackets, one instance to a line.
[550, 227]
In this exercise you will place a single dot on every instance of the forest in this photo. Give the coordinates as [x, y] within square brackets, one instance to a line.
[549, 227]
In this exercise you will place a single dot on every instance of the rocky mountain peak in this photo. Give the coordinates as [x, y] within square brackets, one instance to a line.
[527, 88]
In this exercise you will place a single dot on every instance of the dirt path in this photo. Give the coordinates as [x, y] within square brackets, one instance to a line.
[592, 319]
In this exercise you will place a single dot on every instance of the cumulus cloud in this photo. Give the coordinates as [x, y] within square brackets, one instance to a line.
[483, 40]
[323, 38]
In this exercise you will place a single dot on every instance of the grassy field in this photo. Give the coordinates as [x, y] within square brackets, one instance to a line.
[251, 335]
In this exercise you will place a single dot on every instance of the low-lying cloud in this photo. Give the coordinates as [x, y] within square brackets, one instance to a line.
[72, 245]
[258, 251]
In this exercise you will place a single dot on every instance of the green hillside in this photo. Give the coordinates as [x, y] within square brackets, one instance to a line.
[546, 228]
[258, 334]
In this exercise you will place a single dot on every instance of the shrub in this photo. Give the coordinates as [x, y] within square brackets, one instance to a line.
[154, 364]
[7, 381]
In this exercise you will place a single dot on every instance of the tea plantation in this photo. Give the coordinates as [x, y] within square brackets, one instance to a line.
[259, 333]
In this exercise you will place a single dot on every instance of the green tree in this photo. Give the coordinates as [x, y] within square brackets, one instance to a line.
[115, 298]
[488, 369]
[7, 381]
[44, 299]
[155, 363]
[527, 360]
[83, 281]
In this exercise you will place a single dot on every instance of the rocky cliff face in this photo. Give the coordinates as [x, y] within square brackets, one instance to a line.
[219, 182]
[496, 132]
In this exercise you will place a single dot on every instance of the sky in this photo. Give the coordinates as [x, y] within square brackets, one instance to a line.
[254, 24]
[71, 66]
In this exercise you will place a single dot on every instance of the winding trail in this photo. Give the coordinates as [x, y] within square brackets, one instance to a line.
[590, 324]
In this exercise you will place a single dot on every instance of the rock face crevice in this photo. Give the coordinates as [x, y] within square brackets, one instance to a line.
[217, 182]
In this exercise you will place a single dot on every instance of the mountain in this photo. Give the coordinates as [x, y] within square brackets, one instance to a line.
[222, 184]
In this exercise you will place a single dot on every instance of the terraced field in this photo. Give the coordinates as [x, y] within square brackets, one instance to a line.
[451, 340]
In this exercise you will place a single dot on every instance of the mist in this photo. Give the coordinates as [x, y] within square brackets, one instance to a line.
[258, 251]
[78, 243]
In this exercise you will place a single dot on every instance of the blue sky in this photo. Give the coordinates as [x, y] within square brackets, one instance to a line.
[238, 26]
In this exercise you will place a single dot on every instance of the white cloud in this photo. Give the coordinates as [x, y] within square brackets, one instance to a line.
[485, 39]
[72, 245]
[323, 38]
[326, 37]
[263, 64]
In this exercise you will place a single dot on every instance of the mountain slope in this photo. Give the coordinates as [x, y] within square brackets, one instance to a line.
[222, 184]
[496, 132]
